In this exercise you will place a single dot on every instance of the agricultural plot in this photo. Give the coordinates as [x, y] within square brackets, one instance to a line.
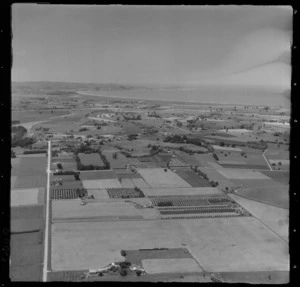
[121, 161]
[103, 174]
[124, 193]
[100, 194]
[69, 165]
[137, 256]
[279, 161]
[277, 219]
[204, 159]
[127, 183]
[192, 178]
[157, 177]
[190, 160]
[182, 265]
[164, 202]
[275, 152]
[274, 195]
[140, 183]
[24, 196]
[29, 181]
[26, 117]
[67, 193]
[65, 210]
[90, 159]
[175, 162]
[223, 148]
[278, 176]
[215, 175]
[101, 184]
[242, 174]
[28, 166]
[218, 244]
[182, 191]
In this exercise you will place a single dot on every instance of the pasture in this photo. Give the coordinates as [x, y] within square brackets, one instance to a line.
[218, 244]
[157, 177]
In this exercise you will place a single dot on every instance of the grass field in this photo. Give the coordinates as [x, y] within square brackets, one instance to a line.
[157, 177]
[219, 245]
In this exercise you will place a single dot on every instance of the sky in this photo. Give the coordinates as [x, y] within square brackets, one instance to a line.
[195, 45]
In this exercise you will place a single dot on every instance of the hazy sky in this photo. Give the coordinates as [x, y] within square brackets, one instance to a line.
[238, 45]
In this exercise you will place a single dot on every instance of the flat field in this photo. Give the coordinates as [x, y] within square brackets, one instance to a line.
[274, 195]
[28, 166]
[101, 184]
[24, 196]
[277, 219]
[279, 176]
[178, 265]
[218, 244]
[157, 177]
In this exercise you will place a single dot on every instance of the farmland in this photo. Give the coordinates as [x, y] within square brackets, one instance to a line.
[189, 191]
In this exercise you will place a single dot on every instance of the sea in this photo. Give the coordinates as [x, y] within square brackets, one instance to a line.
[202, 95]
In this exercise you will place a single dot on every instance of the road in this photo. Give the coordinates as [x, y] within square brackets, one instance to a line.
[46, 237]
[267, 160]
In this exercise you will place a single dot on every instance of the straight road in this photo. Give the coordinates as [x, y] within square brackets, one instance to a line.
[46, 237]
